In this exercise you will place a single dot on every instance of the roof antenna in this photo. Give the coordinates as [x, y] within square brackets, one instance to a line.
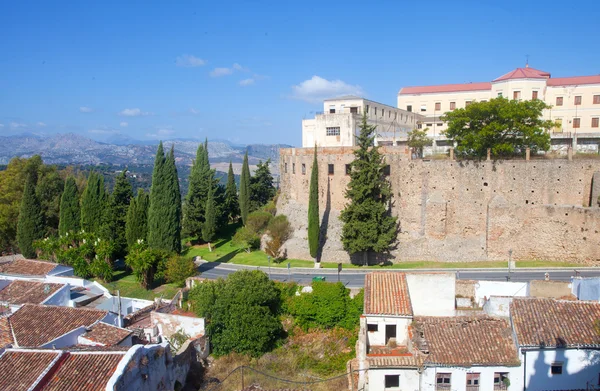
[527, 61]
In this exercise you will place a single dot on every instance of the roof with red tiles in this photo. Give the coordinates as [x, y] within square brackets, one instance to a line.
[386, 293]
[555, 323]
[106, 334]
[574, 80]
[23, 292]
[467, 341]
[20, 370]
[464, 87]
[409, 360]
[5, 333]
[84, 371]
[524, 73]
[27, 267]
[35, 325]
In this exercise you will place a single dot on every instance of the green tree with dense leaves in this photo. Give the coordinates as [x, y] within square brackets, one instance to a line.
[506, 127]
[231, 204]
[136, 225]
[30, 226]
[48, 190]
[313, 209]
[145, 263]
[164, 213]
[115, 215]
[93, 202]
[178, 269]
[70, 219]
[418, 140]
[368, 223]
[244, 194]
[210, 219]
[261, 186]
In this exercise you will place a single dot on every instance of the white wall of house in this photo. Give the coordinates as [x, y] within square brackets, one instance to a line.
[486, 377]
[485, 289]
[68, 339]
[378, 338]
[169, 324]
[498, 306]
[128, 305]
[408, 378]
[579, 366]
[61, 297]
[432, 294]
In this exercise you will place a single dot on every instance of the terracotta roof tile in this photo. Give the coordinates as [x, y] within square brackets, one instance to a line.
[446, 88]
[524, 73]
[410, 360]
[84, 371]
[467, 341]
[574, 80]
[106, 334]
[5, 333]
[23, 292]
[35, 325]
[386, 293]
[548, 322]
[20, 370]
[27, 267]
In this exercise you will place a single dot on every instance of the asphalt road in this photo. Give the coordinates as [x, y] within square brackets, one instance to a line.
[356, 279]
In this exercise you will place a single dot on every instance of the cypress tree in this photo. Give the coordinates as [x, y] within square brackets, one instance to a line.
[232, 207]
[136, 226]
[115, 215]
[69, 216]
[368, 224]
[30, 226]
[92, 203]
[261, 186]
[244, 196]
[313, 209]
[210, 222]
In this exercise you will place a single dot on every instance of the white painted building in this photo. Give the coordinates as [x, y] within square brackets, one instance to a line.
[432, 294]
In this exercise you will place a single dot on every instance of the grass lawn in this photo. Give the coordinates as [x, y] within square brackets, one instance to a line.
[125, 282]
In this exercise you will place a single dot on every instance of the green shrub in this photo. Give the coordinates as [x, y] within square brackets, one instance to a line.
[258, 221]
[270, 208]
[279, 229]
[101, 269]
[247, 239]
[178, 269]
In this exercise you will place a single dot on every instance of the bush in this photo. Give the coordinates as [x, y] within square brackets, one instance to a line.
[270, 208]
[178, 269]
[280, 230]
[147, 264]
[247, 239]
[101, 269]
[258, 221]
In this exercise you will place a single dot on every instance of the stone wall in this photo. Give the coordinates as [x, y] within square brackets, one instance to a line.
[456, 211]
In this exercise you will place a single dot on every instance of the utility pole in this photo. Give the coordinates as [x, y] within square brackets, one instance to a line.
[119, 318]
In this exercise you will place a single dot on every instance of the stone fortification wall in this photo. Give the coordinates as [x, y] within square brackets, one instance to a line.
[457, 211]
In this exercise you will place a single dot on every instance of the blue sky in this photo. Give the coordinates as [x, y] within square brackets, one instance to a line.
[249, 71]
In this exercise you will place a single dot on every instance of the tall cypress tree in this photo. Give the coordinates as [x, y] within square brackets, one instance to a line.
[136, 226]
[313, 209]
[93, 202]
[232, 207]
[245, 190]
[69, 215]
[30, 226]
[368, 223]
[210, 223]
[115, 215]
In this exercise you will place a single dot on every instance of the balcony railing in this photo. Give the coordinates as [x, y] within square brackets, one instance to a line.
[443, 387]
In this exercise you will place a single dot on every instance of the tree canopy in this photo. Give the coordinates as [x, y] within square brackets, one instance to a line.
[69, 208]
[231, 204]
[507, 127]
[115, 215]
[261, 186]
[93, 201]
[244, 193]
[136, 226]
[31, 220]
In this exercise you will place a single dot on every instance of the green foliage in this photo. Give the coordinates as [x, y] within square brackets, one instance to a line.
[49, 190]
[417, 139]
[146, 263]
[259, 220]
[115, 216]
[101, 269]
[178, 269]
[93, 202]
[247, 239]
[270, 207]
[368, 224]
[70, 219]
[244, 194]
[231, 204]
[313, 209]
[177, 340]
[279, 229]
[505, 126]
[136, 224]
[210, 219]
[30, 226]
[240, 312]
[261, 186]
[164, 213]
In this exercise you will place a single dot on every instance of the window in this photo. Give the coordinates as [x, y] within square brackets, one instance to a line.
[442, 381]
[438, 106]
[330, 169]
[396, 116]
[285, 167]
[408, 107]
[597, 99]
[303, 169]
[428, 125]
[386, 170]
[354, 110]
[452, 105]
[559, 100]
[472, 381]
[333, 131]
[577, 100]
[348, 172]
[500, 94]
[332, 109]
[440, 124]
[558, 125]
[576, 123]
[501, 381]
[467, 103]
[293, 168]
[367, 109]
[556, 368]
[382, 112]
[392, 381]
[375, 111]
[534, 95]
[423, 107]
[370, 326]
[595, 122]
[517, 95]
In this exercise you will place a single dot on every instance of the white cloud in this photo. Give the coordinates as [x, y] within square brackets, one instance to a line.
[161, 133]
[193, 111]
[123, 124]
[317, 89]
[134, 113]
[189, 61]
[247, 82]
[218, 72]
[41, 124]
[16, 125]
[85, 109]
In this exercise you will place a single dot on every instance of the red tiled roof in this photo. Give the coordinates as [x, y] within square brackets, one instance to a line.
[524, 73]
[386, 293]
[467, 341]
[574, 80]
[84, 371]
[27, 267]
[447, 88]
[549, 322]
[5, 333]
[23, 292]
[35, 325]
[21, 369]
[409, 360]
[106, 334]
